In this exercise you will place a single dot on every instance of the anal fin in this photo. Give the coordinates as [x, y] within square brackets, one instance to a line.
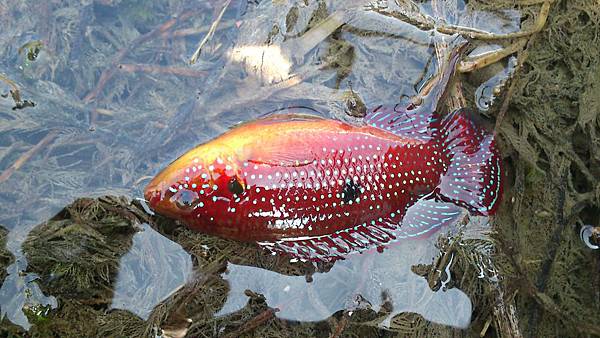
[422, 219]
[427, 216]
[334, 246]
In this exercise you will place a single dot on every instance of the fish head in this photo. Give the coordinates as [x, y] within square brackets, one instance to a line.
[195, 183]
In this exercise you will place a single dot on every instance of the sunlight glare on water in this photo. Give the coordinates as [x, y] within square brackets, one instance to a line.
[152, 261]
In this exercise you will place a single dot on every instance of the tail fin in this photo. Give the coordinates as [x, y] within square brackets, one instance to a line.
[473, 178]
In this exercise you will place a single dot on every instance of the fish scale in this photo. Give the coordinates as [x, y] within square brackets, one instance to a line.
[314, 191]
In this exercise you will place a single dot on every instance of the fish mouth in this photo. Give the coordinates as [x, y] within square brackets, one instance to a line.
[152, 194]
[155, 195]
[158, 197]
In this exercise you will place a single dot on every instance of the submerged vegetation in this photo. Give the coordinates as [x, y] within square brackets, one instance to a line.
[5, 256]
[77, 251]
[552, 136]
[116, 99]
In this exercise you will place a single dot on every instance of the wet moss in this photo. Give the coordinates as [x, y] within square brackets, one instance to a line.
[76, 319]
[556, 177]
[6, 258]
[76, 253]
[340, 56]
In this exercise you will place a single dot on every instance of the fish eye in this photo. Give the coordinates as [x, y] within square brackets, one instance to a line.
[185, 199]
[234, 186]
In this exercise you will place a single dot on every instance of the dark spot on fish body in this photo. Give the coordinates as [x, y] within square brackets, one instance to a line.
[351, 191]
[234, 186]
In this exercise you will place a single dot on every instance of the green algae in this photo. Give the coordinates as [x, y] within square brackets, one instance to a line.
[6, 258]
[77, 251]
[555, 177]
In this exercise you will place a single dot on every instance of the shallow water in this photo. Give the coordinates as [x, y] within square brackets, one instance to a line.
[387, 274]
[116, 100]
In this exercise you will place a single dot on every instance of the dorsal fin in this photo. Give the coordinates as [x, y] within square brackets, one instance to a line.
[411, 124]
[420, 120]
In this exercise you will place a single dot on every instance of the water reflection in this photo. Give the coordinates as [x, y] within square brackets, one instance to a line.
[154, 268]
[373, 278]
[20, 292]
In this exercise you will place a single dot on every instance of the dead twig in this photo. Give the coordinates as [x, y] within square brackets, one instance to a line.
[530, 2]
[210, 33]
[27, 155]
[9, 82]
[474, 33]
[483, 35]
[154, 69]
[480, 61]
[195, 31]
[522, 56]
[340, 326]
[15, 93]
[109, 72]
[253, 323]
[505, 316]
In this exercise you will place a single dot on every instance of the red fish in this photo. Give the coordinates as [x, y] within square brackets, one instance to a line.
[319, 189]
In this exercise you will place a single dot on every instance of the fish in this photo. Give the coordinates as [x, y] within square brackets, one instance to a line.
[319, 189]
